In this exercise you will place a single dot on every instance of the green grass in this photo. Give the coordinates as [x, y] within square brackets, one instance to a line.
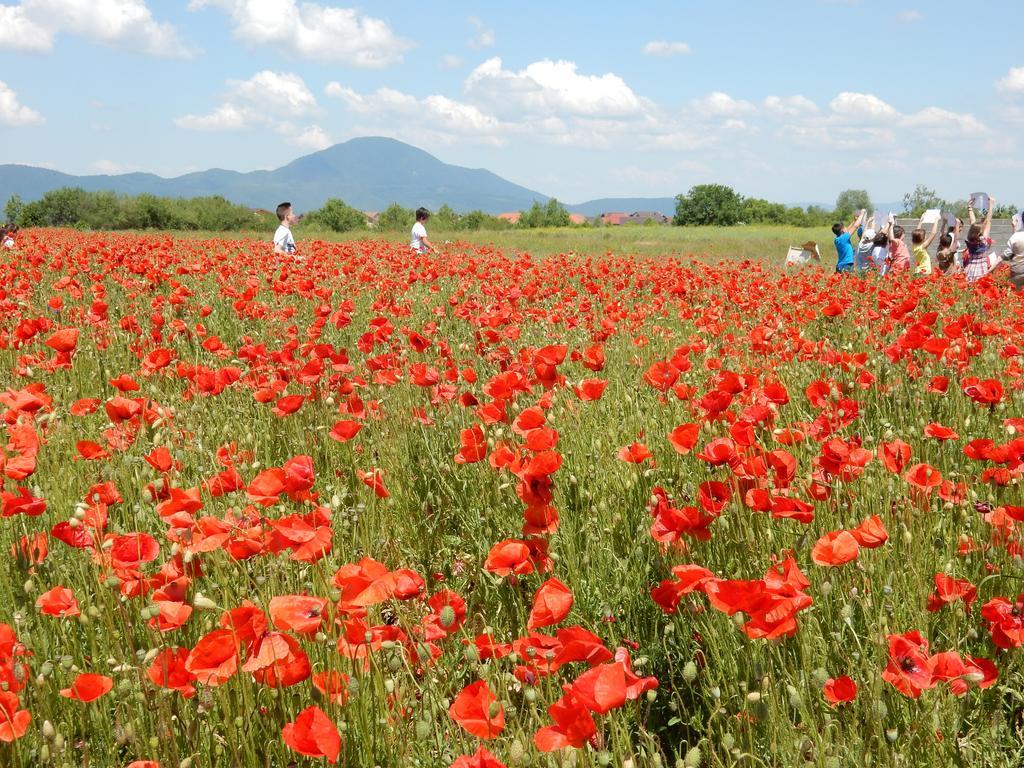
[762, 243]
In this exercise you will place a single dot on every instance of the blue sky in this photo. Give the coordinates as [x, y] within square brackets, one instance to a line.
[793, 101]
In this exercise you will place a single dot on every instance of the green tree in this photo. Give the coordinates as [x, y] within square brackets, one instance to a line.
[709, 205]
[555, 214]
[920, 200]
[851, 201]
[339, 216]
[58, 208]
[12, 211]
[445, 218]
[758, 211]
[395, 218]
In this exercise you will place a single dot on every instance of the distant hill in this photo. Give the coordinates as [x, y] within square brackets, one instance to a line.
[368, 173]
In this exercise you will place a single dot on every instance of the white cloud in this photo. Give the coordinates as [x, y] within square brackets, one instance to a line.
[666, 48]
[110, 168]
[791, 106]
[863, 107]
[128, 24]
[313, 31]
[266, 98]
[14, 114]
[283, 93]
[551, 87]
[450, 61]
[227, 117]
[314, 138]
[720, 104]
[1012, 82]
[936, 122]
[483, 36]
[439, 113]
[20, 33]
[910, 17]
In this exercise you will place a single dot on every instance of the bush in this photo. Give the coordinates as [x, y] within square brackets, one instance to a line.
[709, 205]
[338, 216]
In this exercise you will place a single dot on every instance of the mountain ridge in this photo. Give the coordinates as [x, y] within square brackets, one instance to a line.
[368, 173]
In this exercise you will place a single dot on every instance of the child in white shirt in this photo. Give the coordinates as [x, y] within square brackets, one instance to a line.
[284, 243]
[420, 243]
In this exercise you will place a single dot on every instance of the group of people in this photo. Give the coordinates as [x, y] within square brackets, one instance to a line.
[284, 243]
[884, 248]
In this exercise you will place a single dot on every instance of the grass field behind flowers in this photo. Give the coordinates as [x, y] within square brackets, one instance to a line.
[489, 508]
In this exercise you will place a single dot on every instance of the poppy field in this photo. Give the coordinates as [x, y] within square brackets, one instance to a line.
[482, 509]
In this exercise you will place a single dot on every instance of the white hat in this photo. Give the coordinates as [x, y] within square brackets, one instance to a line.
[869, 234]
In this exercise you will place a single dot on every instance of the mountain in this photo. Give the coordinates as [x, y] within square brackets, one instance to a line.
[368, 173]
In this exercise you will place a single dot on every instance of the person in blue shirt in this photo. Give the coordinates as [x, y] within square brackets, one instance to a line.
[844, 248]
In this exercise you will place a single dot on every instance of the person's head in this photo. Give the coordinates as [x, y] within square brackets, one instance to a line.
[897, 232]
[918, 236]
[837, 229]
[946, 241]
[285, 214]
[974, 233]
[881, 240]
[869, 235]
[422, 214]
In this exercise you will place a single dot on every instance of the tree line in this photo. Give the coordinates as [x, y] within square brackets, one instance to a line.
[703, 205]
[75, 207]
[721, 206]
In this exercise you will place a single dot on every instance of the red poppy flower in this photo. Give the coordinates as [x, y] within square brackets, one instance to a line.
[840, 690]
[896, 455]
[590, 389]
[287, 405]
[214, 659]
[684, 437]
[602, 688]
[168, 671]
[59, 601]
[64, 340]
[924, 477]
[313, 734]
[635, 453]
[345, 430]
[478, 711]
[374, 480]
[908, 671]
[984, 392]
[473, 446]
[14, 722]
[835, 548]
[88, 687]
[574, 725]
[551, 604]
[301, 614]
[334, 685]
[482, 758]
[940, 432]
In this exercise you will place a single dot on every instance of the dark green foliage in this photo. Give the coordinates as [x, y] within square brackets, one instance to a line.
[72, 207]
[337, 215]
[709, 205]
[850, 201]
[551, 214]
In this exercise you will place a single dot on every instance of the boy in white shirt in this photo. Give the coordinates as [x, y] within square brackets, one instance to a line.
[284, 243]
[420, 243]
